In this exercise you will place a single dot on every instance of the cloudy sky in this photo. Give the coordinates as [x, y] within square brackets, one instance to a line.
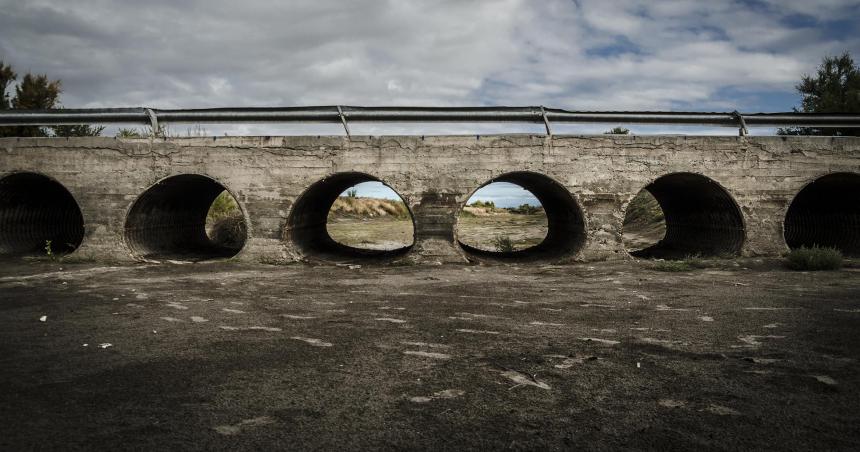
[573, 54]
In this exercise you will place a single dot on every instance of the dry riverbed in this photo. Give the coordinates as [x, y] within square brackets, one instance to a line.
[228, 356]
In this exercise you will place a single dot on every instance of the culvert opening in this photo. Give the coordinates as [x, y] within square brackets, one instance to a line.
[521, 215]
[351, 216]
[683, 214]
[38, 216]
[826, 213]
[185, 217]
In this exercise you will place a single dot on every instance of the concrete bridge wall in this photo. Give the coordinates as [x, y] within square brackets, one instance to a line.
[584, 182]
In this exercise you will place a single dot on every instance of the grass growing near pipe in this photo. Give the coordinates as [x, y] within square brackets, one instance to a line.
[224, 206]
[225, 224]
[229, 231]
[672, 266]
[503, 244]
[814, 259]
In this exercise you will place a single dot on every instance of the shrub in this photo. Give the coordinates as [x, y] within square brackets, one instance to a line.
[672, 266]
[815, 258]
[484, 204]
[229, 232]
[617, 131]
[503, 244]
[643, 210]
[129, 133]
[224, 223]
[525, 209]
[223, 206]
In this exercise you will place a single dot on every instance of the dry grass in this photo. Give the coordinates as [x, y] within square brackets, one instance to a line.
[370, 223]
[368, 208]
[482, 230]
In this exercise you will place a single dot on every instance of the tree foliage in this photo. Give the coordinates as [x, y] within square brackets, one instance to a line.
[129, 133]
[835, 88]
[483, 204]
[7, 76]
[36, 92]
[80, 130]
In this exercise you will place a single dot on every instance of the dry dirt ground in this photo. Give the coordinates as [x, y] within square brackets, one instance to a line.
[228, 356]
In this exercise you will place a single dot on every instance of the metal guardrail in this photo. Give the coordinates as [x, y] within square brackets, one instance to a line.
[345, 114]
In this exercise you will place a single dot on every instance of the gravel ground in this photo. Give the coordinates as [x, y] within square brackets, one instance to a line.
[228, 356]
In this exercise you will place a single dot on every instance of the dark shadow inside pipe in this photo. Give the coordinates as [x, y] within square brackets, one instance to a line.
[701, 218]
[168, 221]
[37, 216]
[826, 213]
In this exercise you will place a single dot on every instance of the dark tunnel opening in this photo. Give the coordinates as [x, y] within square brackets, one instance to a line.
[169, 221]
[700, 217]
[826, 213]
[38, 216]
[565, 223]
[308, 227]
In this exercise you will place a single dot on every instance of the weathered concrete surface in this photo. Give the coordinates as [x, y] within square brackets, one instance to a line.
[434, 175]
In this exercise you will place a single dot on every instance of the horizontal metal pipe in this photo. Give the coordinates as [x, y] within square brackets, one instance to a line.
[71, 117]
[331, 114]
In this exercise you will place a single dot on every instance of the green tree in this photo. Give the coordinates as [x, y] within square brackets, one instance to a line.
[835, 88]
[617, 131]
[7, 76]
[80, 130]
[36, 92]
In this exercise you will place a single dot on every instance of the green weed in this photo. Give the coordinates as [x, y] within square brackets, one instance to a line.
[503, 244]
[672, 266]
[814, 258]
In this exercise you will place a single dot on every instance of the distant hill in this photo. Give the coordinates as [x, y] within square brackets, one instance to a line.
[345, 207]
[484, 210]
